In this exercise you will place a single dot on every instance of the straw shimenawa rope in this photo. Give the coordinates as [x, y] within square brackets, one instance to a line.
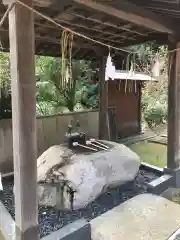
[66, 60]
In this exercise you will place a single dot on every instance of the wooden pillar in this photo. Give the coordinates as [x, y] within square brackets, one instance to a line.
[21, 34]
[139, 93]
[103, 108]
[173, 156]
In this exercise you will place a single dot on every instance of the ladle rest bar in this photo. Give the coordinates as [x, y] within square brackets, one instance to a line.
[76, 138]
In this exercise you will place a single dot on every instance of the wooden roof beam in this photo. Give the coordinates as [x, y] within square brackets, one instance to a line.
[64, 6]
[134, 14]
[76, 44]
[107, 24]
[102, 32]
[82, 26]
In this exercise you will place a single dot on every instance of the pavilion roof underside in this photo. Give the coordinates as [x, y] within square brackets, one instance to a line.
[104, 26]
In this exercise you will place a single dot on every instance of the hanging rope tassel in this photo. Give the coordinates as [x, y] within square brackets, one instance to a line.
[66, 81]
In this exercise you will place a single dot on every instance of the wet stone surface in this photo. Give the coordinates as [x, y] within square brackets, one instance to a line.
[51, 219]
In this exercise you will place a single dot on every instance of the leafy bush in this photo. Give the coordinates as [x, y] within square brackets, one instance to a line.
[155, 114]
[90, 96]
[5, 106]
[50, 97]
[154, 94]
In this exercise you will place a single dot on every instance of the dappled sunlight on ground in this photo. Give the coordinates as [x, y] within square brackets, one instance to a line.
[152, 153]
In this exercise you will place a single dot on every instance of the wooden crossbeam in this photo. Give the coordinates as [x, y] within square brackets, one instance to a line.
[61, 9]
[98, 31]
[107, 24]
[134, 14]
[82, 27]
[76, 44]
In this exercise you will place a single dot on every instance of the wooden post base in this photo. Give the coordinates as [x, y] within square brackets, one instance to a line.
[29, 234]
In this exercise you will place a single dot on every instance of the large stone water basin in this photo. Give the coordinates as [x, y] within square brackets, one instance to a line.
[72, 180]
[51, 219]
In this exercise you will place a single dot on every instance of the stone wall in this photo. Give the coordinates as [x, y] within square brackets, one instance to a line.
[50, 131]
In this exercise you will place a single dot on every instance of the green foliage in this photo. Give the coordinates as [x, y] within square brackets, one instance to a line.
[154, 94]
[83, 94]
[51, 98]
[5, 71]
[155, 114]
[5, 87]
[90, 96]
[5, 105]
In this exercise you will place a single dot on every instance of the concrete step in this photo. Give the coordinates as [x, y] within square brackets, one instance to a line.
[144, 217]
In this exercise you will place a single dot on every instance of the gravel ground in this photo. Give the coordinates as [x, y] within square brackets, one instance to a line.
[51, 219]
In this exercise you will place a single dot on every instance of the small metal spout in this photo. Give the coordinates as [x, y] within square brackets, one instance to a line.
[78, 126]
[69, 129]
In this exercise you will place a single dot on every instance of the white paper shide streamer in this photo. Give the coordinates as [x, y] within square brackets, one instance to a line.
[1, 186]
[157, 66]
[110, 69]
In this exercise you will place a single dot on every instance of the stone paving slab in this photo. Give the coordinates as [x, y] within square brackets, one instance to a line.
[79, 230]
[175, 236]
[7, 224]
[1, 237]
[144, 217]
